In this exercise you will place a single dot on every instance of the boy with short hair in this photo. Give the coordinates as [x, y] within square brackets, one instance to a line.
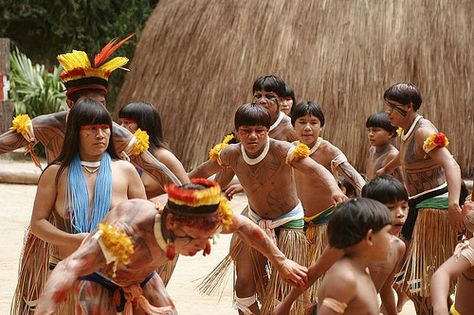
[361, 228]
[389, 191]
[380, 133]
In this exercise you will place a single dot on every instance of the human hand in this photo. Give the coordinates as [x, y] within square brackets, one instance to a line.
[293, 273]
[338, 197]
[232, 190]
[455, 217]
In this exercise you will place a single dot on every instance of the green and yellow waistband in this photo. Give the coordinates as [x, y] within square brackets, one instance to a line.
[322, 217]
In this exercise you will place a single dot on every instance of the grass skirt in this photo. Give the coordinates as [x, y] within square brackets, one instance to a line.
[432, 244]
[318, 239]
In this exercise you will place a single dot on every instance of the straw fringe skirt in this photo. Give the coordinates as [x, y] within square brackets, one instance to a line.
[432, 244]
[318, 240]
[270, 288]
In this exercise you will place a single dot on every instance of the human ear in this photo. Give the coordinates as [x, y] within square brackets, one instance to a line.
[369, 237]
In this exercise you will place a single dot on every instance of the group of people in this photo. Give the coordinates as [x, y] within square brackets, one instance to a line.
[105, 233]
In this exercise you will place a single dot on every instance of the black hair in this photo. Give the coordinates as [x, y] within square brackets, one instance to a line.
[76, 95]
[353, 219]
[252, 115]
[148, 119]
[270, 83]
[304, 108]
[404, 93]
[386, 189]
[381, 120]
[349, 188]
[290, 93]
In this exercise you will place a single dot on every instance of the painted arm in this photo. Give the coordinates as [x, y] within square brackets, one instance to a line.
[10, 141]
[443, 157]
[254, 236]
[321, 174]
[439, 286]
[205, 170]
[390, 167]
[83, 261]
[329, 256]
[44, 203]
[352, 176]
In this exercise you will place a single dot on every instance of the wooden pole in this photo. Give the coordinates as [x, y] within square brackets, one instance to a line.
[6, 106]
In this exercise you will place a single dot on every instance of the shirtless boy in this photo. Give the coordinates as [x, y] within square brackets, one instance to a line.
[119, 259]
[361, 228]
[389, 191]
[380, 133]
[261, 166]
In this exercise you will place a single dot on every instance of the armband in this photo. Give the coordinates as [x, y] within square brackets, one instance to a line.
[22, 125]
[216, 150]
[437, 140]
[142, 142]
[297, 153]
[116, 245]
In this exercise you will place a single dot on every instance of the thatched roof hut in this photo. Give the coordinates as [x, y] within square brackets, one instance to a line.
[197, 59]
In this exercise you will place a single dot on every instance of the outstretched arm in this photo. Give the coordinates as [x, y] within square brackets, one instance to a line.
[205, 170]
[329, 256]
[320, 174]
[254, 236]
[450, 269]
[390, 167]
[86, 260]
[10, 141]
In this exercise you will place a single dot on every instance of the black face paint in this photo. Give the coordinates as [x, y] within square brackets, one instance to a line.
[398, 108]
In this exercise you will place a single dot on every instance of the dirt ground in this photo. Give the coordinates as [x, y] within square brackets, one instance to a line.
[15, 210]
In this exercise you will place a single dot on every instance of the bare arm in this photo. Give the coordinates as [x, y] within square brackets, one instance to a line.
[205, 170]
[83, 261]
[254, 236]
[10, 141]
[342, 289]
[321, 174]
[390, 167]
[439, 286]
[44, 203]
[352, 176]
[135, 185]
[329, 256]
[443, 157]
[386, 292]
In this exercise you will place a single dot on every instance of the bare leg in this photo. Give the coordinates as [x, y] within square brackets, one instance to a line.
[93, 298]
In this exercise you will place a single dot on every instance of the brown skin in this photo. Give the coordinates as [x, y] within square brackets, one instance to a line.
[51, 197]
[50, 130]
[415, 174]
[137, 219]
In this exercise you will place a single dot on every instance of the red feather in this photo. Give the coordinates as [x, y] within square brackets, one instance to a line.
[108, 50]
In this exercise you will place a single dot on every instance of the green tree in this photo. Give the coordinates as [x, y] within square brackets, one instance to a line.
[42, 29]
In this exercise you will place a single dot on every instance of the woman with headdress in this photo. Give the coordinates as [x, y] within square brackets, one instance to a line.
[142, 116]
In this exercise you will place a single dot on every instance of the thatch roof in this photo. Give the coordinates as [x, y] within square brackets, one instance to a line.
[197, 60]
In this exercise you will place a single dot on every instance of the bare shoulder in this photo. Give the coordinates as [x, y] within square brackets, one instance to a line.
[399, 247]
[342, 282]
[164, 155]
[426, 129]
[124, 165]
[330, 149]
[53, 119]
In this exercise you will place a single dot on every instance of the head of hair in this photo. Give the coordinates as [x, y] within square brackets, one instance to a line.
[307, 107]
[347, 187]
[148, 119]
[404, 93]
[385, 189]
[380, 120]
[353, 219]
[85, 112]
[76, 95]
[201, 220]
[270, 83]
[290, 93]
[252, 115]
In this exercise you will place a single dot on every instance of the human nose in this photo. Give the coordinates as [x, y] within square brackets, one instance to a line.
[100, 133]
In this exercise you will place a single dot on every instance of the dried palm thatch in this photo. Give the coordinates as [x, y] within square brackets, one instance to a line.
[197, 59]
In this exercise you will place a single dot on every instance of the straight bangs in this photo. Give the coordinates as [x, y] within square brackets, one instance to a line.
[380, 120]
[252, 115]
[304, 108]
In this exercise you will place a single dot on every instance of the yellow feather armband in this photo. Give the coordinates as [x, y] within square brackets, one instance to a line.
[437, 140]
[116, 245]
[214, 152]
[141, 142]
[225, 213]
[22, 125]
[297, 153]
[399, 131]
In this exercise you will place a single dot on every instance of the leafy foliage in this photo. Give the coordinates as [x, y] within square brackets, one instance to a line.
[45, 28]
[34, 90]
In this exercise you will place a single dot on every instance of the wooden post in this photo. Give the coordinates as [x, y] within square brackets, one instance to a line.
[6, 106]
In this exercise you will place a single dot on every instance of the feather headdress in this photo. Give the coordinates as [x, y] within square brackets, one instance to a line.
[80, 74]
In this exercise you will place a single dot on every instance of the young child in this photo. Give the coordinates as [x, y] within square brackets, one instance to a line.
[460, 266]
[389, 191]
[308, 120]
[361, 228]
[380, 133]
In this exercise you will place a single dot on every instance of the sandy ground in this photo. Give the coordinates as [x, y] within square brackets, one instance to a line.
[15, 210]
